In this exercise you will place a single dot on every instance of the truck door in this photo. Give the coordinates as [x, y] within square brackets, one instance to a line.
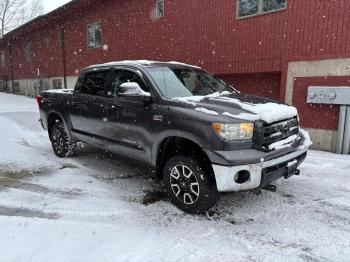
[132, 125]
[88, 105]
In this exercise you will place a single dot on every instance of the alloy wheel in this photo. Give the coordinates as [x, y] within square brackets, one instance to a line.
[58, 141]
[184, 184]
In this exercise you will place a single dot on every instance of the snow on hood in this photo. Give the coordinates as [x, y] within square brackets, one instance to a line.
[269, 112]
[261, 109]
[192, 100]
[206, 111]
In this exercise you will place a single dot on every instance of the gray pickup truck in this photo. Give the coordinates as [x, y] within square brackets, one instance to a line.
[199, 134]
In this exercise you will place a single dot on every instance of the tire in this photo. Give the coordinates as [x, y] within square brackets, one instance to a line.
[61, 142]
[190, 187]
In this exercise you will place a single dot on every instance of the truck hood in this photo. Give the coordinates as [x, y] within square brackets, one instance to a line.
[240, 107]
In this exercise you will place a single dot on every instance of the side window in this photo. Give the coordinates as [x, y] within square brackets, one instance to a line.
[126, 76]
[97, 83]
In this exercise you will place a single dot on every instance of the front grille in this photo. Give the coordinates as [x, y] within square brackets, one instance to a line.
[267, 134]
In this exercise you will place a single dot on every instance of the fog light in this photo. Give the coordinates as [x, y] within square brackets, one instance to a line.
[242, 177]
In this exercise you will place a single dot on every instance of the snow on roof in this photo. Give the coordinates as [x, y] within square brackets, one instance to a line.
[140, 63]
[179, 63]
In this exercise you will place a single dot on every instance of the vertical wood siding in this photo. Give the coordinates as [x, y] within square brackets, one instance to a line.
[202, 32]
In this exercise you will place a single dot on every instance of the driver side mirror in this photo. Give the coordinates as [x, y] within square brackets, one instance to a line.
[133, 90]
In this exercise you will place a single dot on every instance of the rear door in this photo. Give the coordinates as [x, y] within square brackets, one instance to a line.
[89, 105]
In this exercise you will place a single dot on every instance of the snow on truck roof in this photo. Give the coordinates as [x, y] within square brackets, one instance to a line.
[140, 63]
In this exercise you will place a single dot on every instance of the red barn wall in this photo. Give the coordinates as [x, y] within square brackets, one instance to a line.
[202, 32]
[261, 84]
[315, 115]
[252, 53]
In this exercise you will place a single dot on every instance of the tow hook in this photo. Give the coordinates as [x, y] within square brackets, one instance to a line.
[271, 188]
[297, 172]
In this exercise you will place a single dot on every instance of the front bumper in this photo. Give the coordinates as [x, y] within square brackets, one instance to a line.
[261, 174]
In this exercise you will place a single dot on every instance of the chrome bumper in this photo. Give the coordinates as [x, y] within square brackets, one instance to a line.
[225, 175]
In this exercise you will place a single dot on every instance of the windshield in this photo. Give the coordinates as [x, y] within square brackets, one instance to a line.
[184, 82]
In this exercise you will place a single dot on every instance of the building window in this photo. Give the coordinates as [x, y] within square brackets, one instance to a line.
[57, 83]
[160, 8]
[2, 59]
[94, 35]
[248, 8]
[28, 53]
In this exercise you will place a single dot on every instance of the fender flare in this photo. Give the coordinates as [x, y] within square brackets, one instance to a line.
[66, 122]
[175, 133]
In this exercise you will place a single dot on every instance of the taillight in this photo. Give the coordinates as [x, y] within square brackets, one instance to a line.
[39, 100]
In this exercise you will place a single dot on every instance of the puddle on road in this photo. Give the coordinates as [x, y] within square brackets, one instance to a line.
[23, 212]
[15, 175]
[17, 180]
[153, 197]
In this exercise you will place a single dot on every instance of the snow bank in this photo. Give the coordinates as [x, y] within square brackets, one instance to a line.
[269, 112]
[206, 111]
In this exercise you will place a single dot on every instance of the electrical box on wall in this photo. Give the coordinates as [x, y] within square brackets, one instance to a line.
[328, 95]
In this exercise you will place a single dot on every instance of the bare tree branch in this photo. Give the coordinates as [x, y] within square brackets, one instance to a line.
[14, 13]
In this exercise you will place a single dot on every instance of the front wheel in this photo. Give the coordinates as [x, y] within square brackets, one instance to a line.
[61, 141]
[190, 186]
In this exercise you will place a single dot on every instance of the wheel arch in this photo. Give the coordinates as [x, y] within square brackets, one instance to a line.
[52, 117]
[178, 145]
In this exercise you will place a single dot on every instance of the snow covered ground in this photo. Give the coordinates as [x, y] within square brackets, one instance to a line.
[91, 208]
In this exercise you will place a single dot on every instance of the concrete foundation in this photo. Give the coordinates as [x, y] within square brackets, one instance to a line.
[29, 87]
[322, 139]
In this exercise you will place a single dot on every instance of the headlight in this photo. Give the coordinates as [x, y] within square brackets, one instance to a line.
[239, 131]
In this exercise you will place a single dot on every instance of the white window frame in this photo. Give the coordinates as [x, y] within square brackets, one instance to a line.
[260, 10]
[93, 25]
[158, 2]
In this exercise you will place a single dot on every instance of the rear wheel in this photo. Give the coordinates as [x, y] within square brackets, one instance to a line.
[189, 185]
[61, 141]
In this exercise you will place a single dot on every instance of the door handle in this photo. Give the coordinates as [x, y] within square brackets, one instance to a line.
[75, 104]
[112, 108]
[90, 100]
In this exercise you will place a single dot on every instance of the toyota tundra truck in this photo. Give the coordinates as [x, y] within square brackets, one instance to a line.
[199, 134]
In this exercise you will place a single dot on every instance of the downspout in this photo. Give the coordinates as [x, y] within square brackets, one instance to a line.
[346, 141]
[64, 62]
[341, 129]
[11, 68]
